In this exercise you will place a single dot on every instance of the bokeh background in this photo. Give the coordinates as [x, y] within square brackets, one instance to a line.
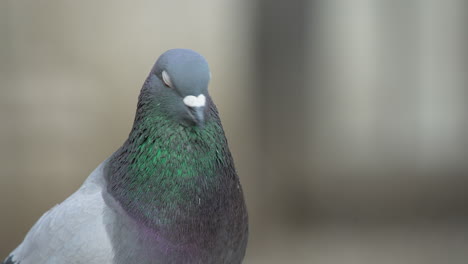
[348, 120]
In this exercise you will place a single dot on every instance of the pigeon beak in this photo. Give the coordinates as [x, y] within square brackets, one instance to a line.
[198, 115]
[196, 106]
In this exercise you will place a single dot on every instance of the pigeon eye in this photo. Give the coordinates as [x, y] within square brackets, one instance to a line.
[166, 79]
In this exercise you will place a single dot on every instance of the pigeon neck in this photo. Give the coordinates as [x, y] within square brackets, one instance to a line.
[165, 169]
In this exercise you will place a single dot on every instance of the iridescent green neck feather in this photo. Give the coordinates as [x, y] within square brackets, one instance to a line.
[167, 173]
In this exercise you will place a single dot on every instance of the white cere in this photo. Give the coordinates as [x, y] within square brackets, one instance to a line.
[166, 79]
[195, 101]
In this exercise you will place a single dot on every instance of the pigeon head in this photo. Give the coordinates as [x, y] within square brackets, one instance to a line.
[177, 86]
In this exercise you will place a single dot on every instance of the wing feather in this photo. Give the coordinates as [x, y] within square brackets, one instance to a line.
[72, 231]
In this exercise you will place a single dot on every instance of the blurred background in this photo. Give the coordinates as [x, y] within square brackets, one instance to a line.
[348, 120]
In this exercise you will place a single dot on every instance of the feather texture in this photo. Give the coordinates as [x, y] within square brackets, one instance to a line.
[72, 231]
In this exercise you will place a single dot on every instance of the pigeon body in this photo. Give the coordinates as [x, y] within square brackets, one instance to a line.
[170, 194]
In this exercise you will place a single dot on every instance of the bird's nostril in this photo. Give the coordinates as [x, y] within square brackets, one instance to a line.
[195, 101]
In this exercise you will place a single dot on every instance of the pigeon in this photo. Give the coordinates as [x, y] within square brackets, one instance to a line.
[169, 194]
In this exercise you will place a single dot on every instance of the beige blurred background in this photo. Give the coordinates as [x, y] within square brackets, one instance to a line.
[348, 120]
